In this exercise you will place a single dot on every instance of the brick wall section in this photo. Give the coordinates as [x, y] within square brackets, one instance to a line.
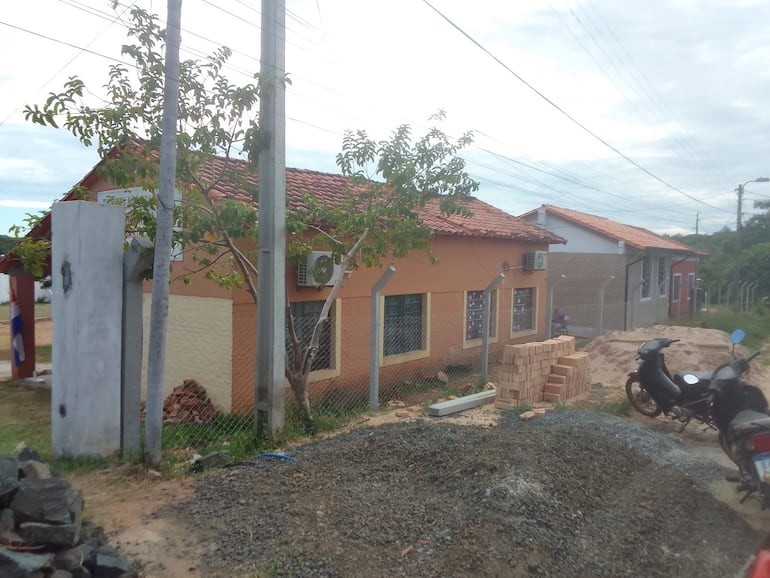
[198, 345]
[548, 370]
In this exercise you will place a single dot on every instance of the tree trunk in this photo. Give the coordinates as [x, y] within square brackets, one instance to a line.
[298, 382]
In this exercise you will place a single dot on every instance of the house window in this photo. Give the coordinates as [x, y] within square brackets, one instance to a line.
[676, 287]
[474, 314]
[523, 309]
[403, 326]
[690, 285]
[662, 285]
[646, 278]
[306, 315]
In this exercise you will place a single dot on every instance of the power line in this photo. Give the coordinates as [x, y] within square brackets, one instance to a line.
[562, 111]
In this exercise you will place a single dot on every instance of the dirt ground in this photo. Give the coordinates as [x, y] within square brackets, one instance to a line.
[137, 509]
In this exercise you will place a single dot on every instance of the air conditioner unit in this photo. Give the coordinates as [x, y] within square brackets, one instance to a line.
[318, 270]
[535, 261]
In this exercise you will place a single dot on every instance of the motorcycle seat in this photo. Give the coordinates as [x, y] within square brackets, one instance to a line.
[749, 420]
[701, 375]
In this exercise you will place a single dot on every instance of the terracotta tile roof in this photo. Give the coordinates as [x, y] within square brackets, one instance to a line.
[486, 221]
[634, 237]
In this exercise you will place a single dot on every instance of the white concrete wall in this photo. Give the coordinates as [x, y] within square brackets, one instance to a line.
[199, 346]
[579, 239]
[87, 269]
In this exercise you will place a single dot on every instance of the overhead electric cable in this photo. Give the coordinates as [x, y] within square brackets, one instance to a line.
[562, 111]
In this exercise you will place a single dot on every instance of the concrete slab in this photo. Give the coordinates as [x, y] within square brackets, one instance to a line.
[461, 403]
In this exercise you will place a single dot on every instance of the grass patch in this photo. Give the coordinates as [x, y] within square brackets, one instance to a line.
[756, 323]
[619, 408]
[41, 310]
[42, 353]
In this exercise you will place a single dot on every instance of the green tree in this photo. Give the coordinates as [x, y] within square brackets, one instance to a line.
[390, 180]
[6, 244]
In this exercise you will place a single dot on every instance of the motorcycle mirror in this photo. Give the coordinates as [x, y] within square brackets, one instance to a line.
[737, 336]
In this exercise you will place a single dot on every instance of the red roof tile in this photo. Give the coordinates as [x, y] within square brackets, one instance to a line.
[634, 237]
[486, 220]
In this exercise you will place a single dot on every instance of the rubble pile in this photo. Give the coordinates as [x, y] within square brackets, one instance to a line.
[42, 533]
[188, 403]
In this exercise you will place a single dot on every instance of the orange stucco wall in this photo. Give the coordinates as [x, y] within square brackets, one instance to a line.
[465, 264]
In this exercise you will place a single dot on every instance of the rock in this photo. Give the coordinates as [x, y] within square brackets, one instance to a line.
[9, 477]
[214, 459]
[34, 470]
[50, 501]
[50, 534]
[61, 574]
[27, 454]
[110, 564]
[21, 564]
[73, 558]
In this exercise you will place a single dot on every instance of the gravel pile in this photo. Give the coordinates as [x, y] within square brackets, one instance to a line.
[571, 494]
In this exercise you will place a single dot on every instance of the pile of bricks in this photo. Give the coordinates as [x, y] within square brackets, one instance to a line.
[188, 403]
[548, 370]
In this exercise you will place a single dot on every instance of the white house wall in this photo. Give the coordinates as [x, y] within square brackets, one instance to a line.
[579, 239]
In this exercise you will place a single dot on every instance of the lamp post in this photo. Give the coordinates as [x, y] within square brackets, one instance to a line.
[738, 234]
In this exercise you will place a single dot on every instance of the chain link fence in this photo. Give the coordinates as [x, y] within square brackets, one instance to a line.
[422, 354]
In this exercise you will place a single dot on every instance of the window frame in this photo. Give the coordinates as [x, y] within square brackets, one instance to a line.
[534, 306]
[676, 287]
[645, 293]
[662, 282]
[335, 355]
[493, 319]
[397, 358]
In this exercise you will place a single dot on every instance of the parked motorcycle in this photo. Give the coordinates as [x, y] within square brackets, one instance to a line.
[653, 390]
[740, 412]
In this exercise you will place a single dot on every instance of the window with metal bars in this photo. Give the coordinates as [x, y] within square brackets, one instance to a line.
[474, 314]
[306, 315]
[523, 309]
[403, 324]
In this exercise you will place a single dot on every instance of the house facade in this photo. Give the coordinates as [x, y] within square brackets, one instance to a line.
[610, 276]
[431, 313]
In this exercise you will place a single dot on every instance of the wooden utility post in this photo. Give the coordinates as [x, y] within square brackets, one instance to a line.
[156, 358]
[271, 285]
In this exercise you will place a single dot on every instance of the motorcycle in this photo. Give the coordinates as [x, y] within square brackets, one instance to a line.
[653, 390]
[740, 412]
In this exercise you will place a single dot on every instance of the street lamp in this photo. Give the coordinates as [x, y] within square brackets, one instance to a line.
[738, 233]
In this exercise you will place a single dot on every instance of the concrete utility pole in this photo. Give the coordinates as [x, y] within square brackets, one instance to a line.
[156, 359]
[269, 413]
[738, 228]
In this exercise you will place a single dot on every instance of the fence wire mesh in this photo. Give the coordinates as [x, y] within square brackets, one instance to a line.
[423, 356]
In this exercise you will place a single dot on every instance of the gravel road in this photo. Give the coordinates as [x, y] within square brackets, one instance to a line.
[571, 494]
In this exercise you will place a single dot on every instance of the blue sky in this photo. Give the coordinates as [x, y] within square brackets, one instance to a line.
[649, 113]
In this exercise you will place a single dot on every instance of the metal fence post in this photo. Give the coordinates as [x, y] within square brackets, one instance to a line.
[485, 323]
[374, 351]
[602, 287]
[551, 288]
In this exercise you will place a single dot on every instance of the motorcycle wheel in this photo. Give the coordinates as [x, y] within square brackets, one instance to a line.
[641, 399]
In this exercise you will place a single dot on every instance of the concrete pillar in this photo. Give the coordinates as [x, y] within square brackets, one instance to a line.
[136, 261]
[87, 273]
[22, 294]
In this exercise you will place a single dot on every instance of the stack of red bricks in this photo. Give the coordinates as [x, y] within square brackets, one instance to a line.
[189, 403]
[548, 370]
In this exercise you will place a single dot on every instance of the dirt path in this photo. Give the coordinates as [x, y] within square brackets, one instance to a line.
[127, 507]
